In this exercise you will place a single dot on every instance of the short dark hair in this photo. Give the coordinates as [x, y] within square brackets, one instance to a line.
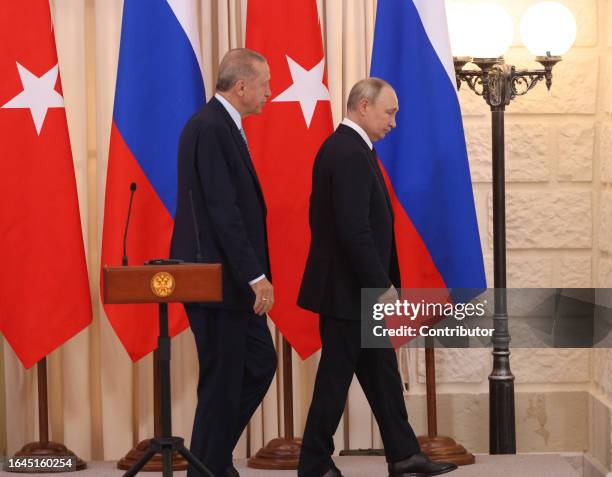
[237, 64]
[368, 88]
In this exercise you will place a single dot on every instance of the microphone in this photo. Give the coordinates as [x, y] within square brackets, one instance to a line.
[197, 230]
[124, 260]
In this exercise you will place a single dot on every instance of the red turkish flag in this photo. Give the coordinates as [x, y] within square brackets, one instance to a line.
[44, 297]
[283, 142]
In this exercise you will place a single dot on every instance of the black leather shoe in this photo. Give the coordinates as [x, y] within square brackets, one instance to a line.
[231, 472]
[419, 465]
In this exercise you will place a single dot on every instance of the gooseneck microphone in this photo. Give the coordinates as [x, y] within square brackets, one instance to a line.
[196, 228]
[124, 260]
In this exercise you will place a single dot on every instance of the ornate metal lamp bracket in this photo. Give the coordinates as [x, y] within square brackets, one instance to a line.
[524, 80]
[500, 90]
[499, 83]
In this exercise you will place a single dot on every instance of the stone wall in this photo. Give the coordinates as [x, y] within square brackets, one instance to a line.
[559, 234]
[600, 407]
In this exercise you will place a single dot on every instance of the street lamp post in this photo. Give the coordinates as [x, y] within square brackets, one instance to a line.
[499, 83]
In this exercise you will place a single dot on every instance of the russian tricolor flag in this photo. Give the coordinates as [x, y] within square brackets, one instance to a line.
[425, 158]
[159, 86]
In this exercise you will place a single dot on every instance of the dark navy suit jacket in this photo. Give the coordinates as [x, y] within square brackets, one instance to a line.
[215, 165]
[351, 223]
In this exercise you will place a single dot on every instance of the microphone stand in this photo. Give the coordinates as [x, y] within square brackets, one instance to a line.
[173, 455]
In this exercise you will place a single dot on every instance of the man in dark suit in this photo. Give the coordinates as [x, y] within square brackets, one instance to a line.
[353, 247]
[218, 183]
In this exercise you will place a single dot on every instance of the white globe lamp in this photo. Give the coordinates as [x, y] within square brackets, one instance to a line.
[548, 29]
[462, 36]
[494, 27]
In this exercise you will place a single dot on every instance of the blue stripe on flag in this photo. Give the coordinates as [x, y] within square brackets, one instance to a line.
[426, 156]
[159, 86]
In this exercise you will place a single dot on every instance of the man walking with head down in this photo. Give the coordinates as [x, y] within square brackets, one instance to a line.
[219, 193]
[353, 247]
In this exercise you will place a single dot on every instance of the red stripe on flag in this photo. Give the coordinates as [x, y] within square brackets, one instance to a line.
[416, 265]
[148, 237]
[417, 269]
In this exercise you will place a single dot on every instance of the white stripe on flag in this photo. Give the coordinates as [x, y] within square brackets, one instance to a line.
[186, 12]
[433, 17]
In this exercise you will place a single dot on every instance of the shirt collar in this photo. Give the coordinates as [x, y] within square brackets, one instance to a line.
[359, 130]
[233, 112]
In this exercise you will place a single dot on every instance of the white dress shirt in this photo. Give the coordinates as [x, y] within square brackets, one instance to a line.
[353, 125]
[233, 112]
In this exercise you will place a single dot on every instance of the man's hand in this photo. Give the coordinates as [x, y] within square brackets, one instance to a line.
[264, 296]
[390, 296]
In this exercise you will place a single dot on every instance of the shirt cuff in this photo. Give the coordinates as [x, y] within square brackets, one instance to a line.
[258, 279]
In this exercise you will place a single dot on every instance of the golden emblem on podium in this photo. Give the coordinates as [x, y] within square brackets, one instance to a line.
[162, 284]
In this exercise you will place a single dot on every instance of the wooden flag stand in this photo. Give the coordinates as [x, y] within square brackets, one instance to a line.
[282, 453]
[438, 448]
[44, 447]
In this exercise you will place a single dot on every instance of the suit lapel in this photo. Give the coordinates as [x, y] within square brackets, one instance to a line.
[372, 160]
[381, 179]
[245, 155]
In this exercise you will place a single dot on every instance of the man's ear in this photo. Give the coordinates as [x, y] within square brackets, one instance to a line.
[239, 87]
[363, 105]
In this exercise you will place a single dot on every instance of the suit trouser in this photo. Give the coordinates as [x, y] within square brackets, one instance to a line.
[376, 370]
[237, 363]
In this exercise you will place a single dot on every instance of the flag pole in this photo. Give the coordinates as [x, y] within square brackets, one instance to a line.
[288, 389]
[438, 448]
[44, 448]
[282, 453]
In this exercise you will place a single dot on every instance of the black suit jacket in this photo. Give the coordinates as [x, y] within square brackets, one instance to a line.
[351, 222]
[215, 165]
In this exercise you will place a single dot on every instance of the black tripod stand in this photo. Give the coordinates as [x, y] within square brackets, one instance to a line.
[167, 444]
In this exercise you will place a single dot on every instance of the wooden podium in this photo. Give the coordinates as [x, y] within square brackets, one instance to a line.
[163, 282]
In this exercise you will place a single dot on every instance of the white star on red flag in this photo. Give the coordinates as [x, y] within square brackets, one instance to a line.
[38, 95]
[307, 88]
